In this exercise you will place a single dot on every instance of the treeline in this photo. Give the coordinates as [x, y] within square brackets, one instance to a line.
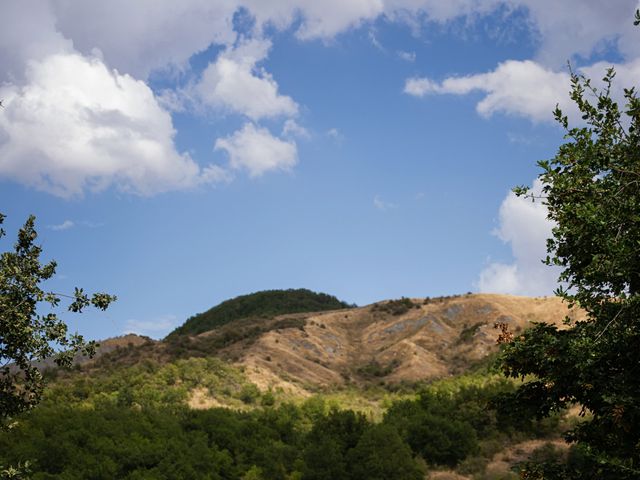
[454, 424]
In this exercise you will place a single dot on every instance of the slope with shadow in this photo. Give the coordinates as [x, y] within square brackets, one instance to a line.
[391, 342]
[264, 304]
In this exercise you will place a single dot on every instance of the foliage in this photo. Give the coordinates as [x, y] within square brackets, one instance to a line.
[375, 369]
[329, 442]
[26, 336]
[395, 307]
[592, 191]
[151, 384]
[468, 332]
[268, 303]
[381, 454]
[134, 424]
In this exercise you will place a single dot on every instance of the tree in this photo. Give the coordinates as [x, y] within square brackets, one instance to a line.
[380, 454]
[26, 335]
[592, 191]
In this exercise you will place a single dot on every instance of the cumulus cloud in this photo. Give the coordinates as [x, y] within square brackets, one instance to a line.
[77, 125]
[257, 151]
[578, 27]
[323, 20]
[524, 226]
[235, 83]
[142, 36]
[68, 135]
[520, 88]
[153, 34]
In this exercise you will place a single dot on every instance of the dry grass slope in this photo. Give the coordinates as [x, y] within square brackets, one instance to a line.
[384, 342]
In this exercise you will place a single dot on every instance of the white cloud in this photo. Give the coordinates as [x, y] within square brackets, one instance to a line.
[323, 20]
[419, 87]
[382, 205]
[66, 225]
[525, 88]
[525, 228]
[335, 135]
[78, 126]
[520, 88]
[83, 138]
[373, 38]
[292, 128]
[627, 75]
[407, 56]
[234, 83]
[255, 150]
[153, 328]
[579, 27]
[138, 37]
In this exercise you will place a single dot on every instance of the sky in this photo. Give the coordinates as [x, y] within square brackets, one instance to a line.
[177, 154]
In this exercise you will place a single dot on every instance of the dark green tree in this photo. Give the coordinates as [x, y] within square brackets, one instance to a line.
[380, 454]
[592, 191]
[26, 334]
[329, 442]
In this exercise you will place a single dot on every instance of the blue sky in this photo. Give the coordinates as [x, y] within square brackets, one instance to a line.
[178, 156]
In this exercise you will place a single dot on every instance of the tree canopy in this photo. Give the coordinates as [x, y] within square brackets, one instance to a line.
[592, 191]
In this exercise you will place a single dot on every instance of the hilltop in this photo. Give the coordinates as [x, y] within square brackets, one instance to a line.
[264, 304]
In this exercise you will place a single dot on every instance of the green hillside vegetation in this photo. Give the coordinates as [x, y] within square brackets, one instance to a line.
[135, 424]
[267, 304]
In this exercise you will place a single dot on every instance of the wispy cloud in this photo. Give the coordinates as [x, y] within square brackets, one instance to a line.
[407, 56]
[291, 128]
[382, 205]
[66, 225]
[156, 327]
[373, 38]
[335, 135]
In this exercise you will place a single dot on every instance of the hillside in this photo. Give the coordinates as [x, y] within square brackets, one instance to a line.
[262, 396]
[404, 341]
[263, 304]
[398, 341]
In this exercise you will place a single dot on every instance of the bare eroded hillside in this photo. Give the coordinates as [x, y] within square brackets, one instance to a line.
[391, 341]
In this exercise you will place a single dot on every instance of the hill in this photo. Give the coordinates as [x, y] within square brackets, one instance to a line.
[262, 304]
[390, 342]
[405, 380]
[393, 342]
